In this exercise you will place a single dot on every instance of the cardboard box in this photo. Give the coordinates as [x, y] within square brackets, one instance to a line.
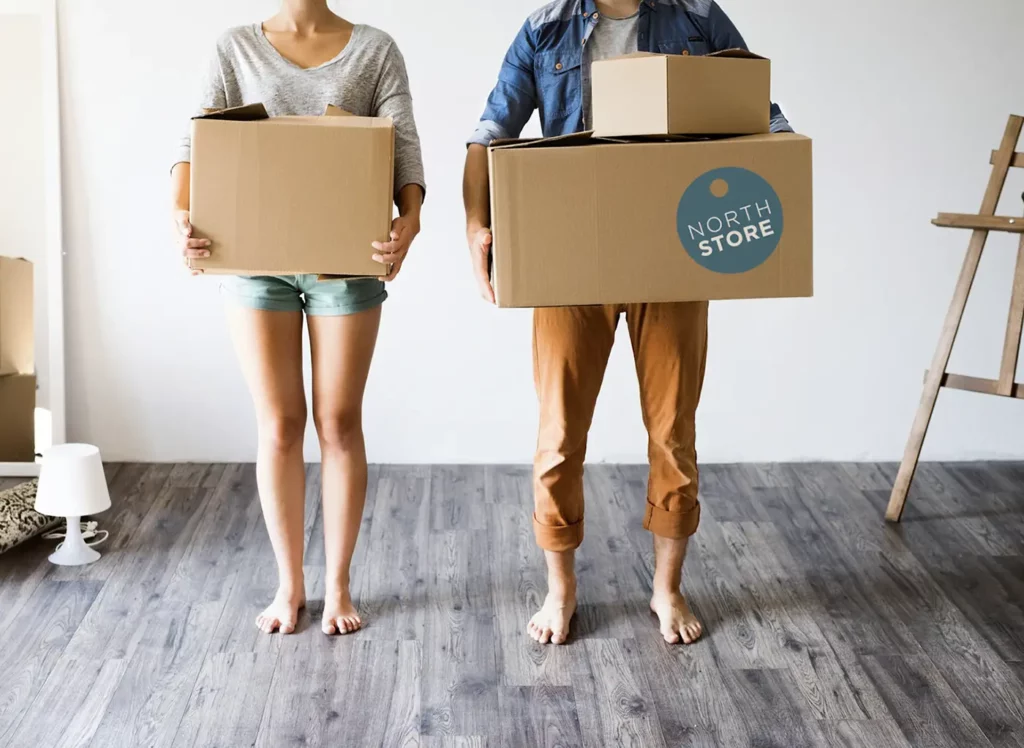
[579, 220]
[726, 93]
[290, 195]
[17, 334]
[17, 418]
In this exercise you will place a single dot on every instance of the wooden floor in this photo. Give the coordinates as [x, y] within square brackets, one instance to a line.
[825, 627]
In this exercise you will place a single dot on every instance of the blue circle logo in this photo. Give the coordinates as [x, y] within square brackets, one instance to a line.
[730, 220]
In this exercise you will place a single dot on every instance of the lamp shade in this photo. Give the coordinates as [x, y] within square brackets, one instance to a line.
[72, 482]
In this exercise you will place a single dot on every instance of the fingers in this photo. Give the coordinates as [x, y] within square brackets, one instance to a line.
[395, 270]
[196, 248]
[389, 252]
[481, 269]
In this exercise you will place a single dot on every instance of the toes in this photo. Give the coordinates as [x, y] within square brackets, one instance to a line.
[329, 628]
[270, 624]
[558, 637]
[545, 636]
[287, 627]
[670, 634]
[355, 623]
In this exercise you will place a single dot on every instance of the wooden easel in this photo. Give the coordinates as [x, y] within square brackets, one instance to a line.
[937, 376]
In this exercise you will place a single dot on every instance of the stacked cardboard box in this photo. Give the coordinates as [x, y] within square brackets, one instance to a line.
[679, 194]
[17, 362]
[290, 195]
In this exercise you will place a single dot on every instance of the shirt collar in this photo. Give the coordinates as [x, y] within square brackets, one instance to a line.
[589, 7]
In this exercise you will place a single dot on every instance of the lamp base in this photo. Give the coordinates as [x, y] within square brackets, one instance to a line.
[73, 551]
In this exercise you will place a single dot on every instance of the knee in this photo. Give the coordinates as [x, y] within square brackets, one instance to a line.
[340, 430]
[283, 431]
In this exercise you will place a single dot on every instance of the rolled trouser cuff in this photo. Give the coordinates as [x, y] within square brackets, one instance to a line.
[675, 525]
[558, 539]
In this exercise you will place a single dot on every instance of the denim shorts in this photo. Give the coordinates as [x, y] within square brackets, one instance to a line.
[296, 293]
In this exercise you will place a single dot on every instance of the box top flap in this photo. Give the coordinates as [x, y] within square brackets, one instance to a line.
[588, 138]
[736, 53]
[336, 111]
[739, 54]
[247, 113]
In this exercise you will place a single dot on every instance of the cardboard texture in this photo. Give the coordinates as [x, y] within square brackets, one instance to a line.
[579, 220]
[17, 424]
[726, 93]
[17, 333]
[291, 195]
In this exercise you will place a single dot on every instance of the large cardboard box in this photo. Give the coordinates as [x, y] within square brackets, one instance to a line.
[17, 418]
[290, 195]
[726, 93]
[17, 346]
[579, 220]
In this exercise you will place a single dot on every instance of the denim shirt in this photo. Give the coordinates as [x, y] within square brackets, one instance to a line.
[543, 68]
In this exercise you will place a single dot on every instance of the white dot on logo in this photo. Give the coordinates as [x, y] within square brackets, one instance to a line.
[719, 188]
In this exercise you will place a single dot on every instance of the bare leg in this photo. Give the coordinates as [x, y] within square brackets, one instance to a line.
[677, 620]
[551, 623]
[342, 349]
[269, 348]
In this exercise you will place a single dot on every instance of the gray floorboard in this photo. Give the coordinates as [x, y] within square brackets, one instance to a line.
[825, 626]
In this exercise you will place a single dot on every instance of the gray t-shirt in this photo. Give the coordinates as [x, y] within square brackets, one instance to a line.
[368, 78]
[612, 37]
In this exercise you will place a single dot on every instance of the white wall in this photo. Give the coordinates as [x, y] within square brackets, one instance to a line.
[904, 99]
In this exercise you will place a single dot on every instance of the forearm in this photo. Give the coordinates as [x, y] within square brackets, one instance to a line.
[180, 184]
[476, 189]
[410, 202]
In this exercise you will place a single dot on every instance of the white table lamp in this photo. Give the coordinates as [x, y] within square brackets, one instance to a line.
[71, 485]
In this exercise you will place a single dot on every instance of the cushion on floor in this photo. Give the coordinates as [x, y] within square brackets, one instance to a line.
[19, 521]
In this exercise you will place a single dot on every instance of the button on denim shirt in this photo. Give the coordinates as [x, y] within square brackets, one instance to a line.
[543, 68]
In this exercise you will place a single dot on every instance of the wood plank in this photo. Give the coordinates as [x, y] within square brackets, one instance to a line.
[519, 586]
[226, 704]
[35, 641]
[614, 704]
[83, 689]
[921, 702]
[459, 680]
[864, 734]
[406, 716]
[153, 694]
[1014, 327]
[1017, 160]
[693, 702]
[771, 708]
[391, 591]
[541, 716]
[951, 326]
[1008, 224]
[457, 498]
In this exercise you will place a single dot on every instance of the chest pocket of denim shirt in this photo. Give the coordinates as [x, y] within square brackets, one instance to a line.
[559, 82]
[694, 45]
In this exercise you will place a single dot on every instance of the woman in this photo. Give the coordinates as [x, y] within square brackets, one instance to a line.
[297, 63]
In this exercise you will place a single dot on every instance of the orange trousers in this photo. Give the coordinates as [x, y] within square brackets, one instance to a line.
[571, 346]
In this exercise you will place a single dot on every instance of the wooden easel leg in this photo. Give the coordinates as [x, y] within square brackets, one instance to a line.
[934, 381]
[1000, 168]
[1014, 327]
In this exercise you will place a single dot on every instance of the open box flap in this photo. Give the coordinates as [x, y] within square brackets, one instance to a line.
[247, 113]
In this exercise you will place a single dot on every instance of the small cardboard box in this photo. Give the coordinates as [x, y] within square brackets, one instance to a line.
[17, 418]
[726, 93]
[579, 220]
[17, 344]
[291, 195]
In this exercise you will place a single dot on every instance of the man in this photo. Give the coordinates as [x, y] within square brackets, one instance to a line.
[548, 68]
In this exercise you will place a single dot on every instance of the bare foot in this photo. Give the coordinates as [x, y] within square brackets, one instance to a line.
[281, 615]
[677, 620]
[340, 616]
[551, 623]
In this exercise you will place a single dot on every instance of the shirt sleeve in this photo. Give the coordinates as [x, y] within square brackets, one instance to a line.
[514, 98]
[214, 96]
[394, 99]
[724, 35]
